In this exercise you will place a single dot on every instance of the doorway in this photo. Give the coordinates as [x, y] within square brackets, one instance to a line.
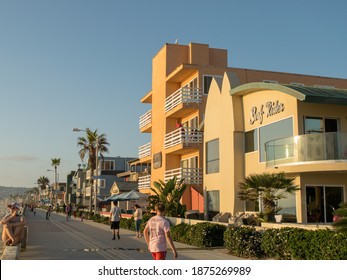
[321, 202]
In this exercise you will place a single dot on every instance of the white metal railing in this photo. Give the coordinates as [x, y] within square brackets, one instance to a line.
[190, 175]
[183, 135]
[145, 150]
[146, 119]
[144, 182]
[183, 95]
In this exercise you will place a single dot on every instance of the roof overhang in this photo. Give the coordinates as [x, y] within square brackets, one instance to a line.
[254, 87]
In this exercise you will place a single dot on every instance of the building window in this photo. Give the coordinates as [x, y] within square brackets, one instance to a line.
[251, 141]
[212, 156]
[273, 131]
[107, 165]
[102, 183]
[207, 80]
[213, 201]
[321, 202]
[321, 125]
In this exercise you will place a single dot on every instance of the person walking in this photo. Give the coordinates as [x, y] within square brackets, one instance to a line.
[48, 212]
[157, 233]
[74, 210]
[68, 212]
[115, 216]
[138, 220]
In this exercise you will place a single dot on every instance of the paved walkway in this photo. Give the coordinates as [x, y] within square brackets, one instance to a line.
[57, 239]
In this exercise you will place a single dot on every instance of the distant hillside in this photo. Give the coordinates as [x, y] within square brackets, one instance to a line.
[7, 191]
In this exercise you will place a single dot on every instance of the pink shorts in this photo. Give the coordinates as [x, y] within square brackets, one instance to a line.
[159, 255]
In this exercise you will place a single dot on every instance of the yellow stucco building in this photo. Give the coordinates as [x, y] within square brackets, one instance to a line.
[266, 127]
[181, 79]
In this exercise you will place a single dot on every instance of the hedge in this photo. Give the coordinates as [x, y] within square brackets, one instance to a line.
[200, 235]
[243, 242]
[286, 244]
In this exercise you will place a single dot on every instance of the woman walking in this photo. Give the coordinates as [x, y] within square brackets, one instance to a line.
[138, 220]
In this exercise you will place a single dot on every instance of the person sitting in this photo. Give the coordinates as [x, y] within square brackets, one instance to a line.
[13, 226]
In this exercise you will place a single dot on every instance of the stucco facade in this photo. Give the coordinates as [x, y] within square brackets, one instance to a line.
[181, 79]
[268, 128]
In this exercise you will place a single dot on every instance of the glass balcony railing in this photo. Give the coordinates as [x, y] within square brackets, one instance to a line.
[308, 147]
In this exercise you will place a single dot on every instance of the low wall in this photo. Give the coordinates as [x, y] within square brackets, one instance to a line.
[294, 225]
[177, 221]
[11, 252]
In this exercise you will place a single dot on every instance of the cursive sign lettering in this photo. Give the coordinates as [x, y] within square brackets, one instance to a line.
[271, 107]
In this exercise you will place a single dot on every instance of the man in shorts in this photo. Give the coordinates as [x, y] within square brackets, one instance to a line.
[157, 233]
[115, 216]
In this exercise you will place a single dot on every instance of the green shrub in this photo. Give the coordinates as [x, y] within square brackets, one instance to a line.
[274, 243]
[301, 244]
[243, 242]
[206, 235]
[318, 245]
[127, 223]
[179, 233]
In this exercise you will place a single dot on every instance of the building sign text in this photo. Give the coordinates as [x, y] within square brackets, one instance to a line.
[269, 109]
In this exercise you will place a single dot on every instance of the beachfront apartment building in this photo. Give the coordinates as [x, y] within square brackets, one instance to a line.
[181, 79]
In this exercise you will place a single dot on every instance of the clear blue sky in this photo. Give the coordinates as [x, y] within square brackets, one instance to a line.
[83, 63]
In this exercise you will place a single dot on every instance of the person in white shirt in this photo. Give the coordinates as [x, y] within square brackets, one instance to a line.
[157, 232]
[115, 216]
[138, 220]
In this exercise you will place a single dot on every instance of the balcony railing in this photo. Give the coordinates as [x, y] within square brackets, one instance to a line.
[308, 147]
[183, 135]
[183, 95]
[144, 182]
[145, 150]
[146, 119]
[190, 175]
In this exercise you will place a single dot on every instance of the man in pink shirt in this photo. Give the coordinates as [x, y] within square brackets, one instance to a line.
[157, 232]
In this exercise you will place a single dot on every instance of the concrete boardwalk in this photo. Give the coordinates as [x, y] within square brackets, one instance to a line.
[57, 239]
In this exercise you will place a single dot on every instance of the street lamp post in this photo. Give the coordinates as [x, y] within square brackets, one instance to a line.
[56, 179]
[96, 171]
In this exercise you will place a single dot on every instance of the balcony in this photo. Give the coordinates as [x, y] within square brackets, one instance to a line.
[146, 122]
[145, 150]
[144, 182]
[183, 138]
[191, 176]
[182, 102]
[330, 146]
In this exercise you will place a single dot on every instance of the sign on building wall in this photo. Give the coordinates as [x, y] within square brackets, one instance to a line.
[157, 160]
[268, 109]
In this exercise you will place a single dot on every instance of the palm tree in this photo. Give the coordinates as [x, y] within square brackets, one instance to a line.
[42, 182]
[170, 194]
[269, 188]
[55, 162]
[89, 144]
